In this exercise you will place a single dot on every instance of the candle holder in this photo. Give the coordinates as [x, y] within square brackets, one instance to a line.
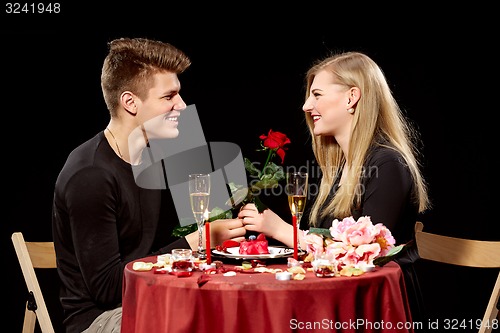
[324, 266]
[182, 260]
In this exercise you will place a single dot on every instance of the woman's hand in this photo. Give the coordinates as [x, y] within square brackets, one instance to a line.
[268, 222]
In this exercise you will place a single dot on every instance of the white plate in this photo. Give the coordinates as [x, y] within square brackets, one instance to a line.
[274, 252]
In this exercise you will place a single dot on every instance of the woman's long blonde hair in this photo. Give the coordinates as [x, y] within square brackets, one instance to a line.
[377, 116]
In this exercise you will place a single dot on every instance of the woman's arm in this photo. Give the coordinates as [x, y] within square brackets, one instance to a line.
[387, 196]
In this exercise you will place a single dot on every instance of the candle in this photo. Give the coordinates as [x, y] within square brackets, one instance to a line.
[295, 247]
[207, 239]
[283, 276]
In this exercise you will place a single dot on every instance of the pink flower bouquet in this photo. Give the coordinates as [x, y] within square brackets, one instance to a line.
[352, 245]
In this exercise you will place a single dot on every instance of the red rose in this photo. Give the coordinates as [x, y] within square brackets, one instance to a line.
[275, 141]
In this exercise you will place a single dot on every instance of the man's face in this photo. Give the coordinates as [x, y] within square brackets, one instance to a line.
[160, 110]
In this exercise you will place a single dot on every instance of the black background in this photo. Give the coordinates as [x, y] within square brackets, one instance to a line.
[247, 77]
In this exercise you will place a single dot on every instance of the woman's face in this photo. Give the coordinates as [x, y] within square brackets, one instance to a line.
[327, 105]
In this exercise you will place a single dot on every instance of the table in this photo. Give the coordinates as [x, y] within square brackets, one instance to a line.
[373, 302]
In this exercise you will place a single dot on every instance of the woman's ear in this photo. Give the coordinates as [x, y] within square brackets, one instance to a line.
[127, 100]
[354, 96]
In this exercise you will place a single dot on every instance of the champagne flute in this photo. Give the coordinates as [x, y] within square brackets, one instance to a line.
[199, 194]
[297, 184]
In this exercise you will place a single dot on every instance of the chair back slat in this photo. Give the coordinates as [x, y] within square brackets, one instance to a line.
[463, 252]
[456, 251]
[42, 254]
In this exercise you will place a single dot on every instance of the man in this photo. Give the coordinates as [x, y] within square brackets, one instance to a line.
[101, 218]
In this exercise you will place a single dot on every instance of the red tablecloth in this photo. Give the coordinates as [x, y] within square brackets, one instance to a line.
[373, 302]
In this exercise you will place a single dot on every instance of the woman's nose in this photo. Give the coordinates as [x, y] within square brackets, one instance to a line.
[307, 107]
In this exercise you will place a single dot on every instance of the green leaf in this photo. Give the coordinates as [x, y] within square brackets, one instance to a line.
[395, 250]
[241, 195]
[252, 170]
[321, 231]
[394, 253]
[218, 213]
[274, 171]
[264, 183]
[233, 187]
[181, 231]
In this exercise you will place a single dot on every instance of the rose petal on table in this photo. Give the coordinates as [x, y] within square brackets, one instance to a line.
[225, 269]
[210, 271]
[257, 263]
[203, 279]
[160, 271]
[182, 274]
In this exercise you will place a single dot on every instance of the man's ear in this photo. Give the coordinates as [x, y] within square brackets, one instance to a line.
[127, 100]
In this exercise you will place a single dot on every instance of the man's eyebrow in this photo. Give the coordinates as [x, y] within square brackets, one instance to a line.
[171, 91]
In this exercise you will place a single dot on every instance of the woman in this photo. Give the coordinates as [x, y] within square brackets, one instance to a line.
[368, 158]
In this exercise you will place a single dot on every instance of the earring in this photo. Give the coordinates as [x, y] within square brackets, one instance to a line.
[351, 110]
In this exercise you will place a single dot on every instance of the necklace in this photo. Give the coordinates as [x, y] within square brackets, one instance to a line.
[116, 143]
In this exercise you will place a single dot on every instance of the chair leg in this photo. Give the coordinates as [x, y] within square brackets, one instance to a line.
[29, 320]
[491, 313]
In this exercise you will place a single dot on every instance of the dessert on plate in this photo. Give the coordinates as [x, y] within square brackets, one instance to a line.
[254, 245]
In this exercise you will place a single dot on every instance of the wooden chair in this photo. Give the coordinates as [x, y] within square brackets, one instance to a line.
[33, 255]
[463, 252]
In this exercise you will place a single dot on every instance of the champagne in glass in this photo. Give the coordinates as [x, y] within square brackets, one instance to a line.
[199, 194]
[199, 204]
[297, 204]
[296, 190]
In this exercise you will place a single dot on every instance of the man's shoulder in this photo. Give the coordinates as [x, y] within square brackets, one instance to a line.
[82, 156]
[87, 147]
